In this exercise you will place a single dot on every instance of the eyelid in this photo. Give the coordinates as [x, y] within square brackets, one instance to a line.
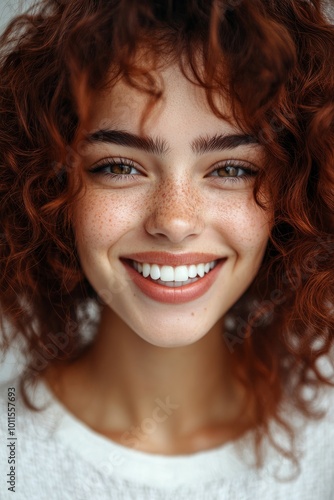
[114, 161]
[236, 163]
[249, 171]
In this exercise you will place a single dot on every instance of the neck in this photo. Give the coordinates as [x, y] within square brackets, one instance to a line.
[179, 390]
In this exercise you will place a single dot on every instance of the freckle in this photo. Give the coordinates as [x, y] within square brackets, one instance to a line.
[193, 314]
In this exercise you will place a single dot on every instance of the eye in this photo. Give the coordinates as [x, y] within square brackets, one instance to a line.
[234, 171]
[121, 169]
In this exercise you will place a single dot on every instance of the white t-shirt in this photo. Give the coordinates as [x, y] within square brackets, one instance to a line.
[57, 457]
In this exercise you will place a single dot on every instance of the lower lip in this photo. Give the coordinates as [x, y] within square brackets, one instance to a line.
[178, 295]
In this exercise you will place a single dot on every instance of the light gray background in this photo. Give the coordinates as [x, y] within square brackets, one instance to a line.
[10, 8]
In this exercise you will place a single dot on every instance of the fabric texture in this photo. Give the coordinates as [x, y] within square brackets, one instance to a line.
[60, 458]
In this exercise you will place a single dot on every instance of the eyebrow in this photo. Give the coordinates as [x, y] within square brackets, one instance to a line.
[159, 147]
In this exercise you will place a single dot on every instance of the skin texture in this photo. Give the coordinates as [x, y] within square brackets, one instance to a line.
[145, 349]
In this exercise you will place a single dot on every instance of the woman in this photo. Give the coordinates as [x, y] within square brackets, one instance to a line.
[167, 251]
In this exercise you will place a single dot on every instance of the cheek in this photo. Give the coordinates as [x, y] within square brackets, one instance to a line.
[245, 225]
[102, 217]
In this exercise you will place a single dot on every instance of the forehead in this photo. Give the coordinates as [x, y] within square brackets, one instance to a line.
[181, 102]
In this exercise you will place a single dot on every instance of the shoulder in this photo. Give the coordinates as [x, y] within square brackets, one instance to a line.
[310, 475]
[312, 438]
[55, 456]
[320, 432]
[43, 466]
[11, 396]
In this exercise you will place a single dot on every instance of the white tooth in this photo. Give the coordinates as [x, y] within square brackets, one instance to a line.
[181, 273]
[207, 267]
[200, 270]
[140, 267]
[155, 272]
[167, 273]
[146, 269]
[192, 271]
[135, 265]
[212, 265]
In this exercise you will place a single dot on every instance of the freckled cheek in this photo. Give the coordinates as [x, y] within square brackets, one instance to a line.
[101, 219]
[244, 224]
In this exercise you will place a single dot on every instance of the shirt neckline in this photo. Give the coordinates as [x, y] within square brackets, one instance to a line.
[125, 463]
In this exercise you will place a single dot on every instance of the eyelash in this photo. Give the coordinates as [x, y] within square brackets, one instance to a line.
[98, 170]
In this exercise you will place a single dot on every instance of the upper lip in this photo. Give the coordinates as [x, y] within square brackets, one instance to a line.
[172, 259]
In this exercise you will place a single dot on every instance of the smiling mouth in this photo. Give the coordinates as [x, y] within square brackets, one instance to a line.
[170, 276]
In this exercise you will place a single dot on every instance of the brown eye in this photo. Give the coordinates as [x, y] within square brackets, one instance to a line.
[117, 170]
[228, 171]
[120, 168]
[233, 173]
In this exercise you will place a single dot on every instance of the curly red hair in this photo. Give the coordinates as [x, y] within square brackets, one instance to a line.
[273, 60]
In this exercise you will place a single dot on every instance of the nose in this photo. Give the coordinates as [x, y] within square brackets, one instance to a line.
[176, 212]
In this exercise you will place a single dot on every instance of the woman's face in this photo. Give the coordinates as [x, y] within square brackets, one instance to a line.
[194, 197]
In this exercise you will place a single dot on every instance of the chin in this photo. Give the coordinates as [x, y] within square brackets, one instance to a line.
[173, 341]
[176, 333]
